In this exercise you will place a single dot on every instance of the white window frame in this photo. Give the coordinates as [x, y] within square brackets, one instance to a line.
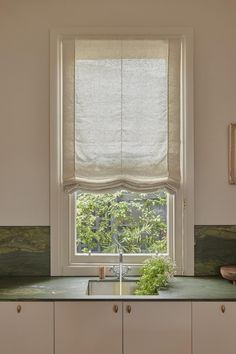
[61, 204]
[108, 259]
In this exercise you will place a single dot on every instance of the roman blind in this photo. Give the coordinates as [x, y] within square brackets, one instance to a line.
[121, 114]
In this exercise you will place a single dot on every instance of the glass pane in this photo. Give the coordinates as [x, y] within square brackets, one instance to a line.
[134, 223]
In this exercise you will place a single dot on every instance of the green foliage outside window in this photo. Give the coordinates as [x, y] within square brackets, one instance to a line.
[122, 221]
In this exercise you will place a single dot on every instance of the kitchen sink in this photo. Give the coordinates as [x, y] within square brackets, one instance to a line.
[111, 287]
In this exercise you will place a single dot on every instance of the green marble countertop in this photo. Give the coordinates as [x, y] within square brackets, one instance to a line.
[75, 288]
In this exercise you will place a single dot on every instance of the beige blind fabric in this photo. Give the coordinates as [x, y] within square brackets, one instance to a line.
[121, 114]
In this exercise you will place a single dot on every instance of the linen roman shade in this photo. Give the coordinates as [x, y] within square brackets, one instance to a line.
[121, 114]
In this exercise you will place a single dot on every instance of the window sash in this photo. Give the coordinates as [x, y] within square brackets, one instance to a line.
[111, 258]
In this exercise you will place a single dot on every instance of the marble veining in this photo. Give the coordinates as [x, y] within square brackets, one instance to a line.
[24, 250]
[215, 246]
[75, 288]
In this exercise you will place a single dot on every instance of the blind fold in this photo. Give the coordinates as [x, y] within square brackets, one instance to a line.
[121, 114]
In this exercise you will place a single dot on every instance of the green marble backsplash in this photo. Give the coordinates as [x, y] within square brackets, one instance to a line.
[24, 250]
[214, 246]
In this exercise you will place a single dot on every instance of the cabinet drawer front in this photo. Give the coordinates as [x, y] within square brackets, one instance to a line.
[157, 327]
[88, 327]
[26, 327]
[213, 327]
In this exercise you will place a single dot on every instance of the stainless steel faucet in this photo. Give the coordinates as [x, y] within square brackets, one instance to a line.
[120, 270]
[120, 258]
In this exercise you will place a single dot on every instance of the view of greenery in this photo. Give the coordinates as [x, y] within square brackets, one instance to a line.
[122, 221]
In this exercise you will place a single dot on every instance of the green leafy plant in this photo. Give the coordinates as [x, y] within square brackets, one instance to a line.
[155, 274]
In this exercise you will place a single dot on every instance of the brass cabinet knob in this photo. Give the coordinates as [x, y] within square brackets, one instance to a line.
[128, 308]
[223, 308]
[18, 308]
[115, 308]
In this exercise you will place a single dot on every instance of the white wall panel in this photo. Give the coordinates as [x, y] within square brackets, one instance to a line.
[24, 95]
